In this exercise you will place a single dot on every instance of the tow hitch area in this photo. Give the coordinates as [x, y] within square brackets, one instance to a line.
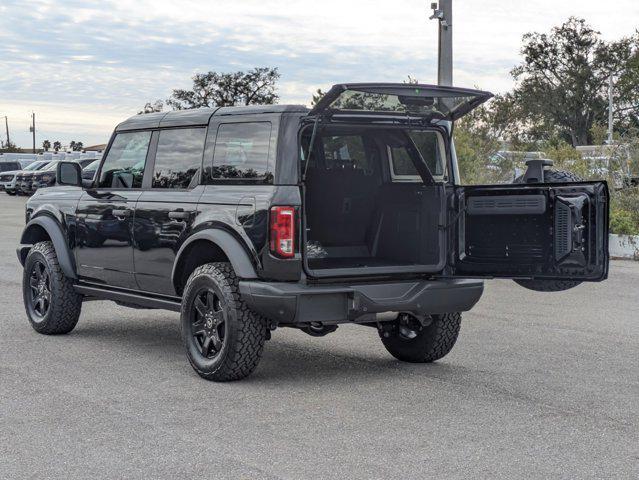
[287, 303]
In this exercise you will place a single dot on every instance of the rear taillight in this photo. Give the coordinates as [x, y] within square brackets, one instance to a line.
[283, 231]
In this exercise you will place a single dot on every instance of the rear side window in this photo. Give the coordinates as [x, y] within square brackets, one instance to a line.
[124, 164]
[419, 145]
[242, 151]
[178, 158]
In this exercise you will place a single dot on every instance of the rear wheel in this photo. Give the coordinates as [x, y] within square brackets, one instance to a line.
[407, 340]
[53, 306]
[552, 176]
[224, 340]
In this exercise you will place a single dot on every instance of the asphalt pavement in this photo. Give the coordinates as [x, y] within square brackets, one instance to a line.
[538, 386]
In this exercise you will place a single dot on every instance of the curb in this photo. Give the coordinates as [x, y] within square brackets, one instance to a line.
[624, 246]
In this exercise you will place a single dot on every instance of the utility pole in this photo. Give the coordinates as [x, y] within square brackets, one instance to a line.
[610, 111]
[443, 13]
[32, 129]
[6, 125]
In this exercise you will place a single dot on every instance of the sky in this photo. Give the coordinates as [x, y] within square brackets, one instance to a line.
[84, 66]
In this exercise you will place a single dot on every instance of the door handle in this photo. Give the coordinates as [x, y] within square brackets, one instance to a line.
[179, 215]
[125, 213]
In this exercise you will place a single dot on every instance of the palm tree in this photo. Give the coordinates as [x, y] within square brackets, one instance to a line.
[57, 146]
[46, 145]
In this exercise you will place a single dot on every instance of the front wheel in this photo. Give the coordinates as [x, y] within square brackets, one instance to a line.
[53, 306]
[224, 340]
[409, 341]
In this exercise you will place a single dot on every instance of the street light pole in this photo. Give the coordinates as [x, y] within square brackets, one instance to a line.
[443, 13]
[610, 110]
[6, 125]
[33, 130]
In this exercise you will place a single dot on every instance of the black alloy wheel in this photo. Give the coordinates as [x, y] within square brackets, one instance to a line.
[223, 338]
[52, 305]
[40, 290]
[208, 322]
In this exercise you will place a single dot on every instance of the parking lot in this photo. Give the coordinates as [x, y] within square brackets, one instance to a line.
[538, 386]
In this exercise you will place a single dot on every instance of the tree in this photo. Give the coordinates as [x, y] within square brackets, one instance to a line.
[317, 96]
[563, 81]
[46, 145]
[213, 89]
[76, 146]
[72, 145]
[10, 147]
[57, 146]
[154, 107]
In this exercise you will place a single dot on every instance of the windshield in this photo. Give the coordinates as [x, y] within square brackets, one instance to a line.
[401, 152]
[50, 167]
[35, 166]
[92, 166]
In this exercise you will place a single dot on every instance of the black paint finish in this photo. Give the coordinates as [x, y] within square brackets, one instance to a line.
[128, 244]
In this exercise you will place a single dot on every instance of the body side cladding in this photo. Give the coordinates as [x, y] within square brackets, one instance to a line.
[235, 252]
[33, 234]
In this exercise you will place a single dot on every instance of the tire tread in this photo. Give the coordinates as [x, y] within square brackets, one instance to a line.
[246, 352]
[66, 303]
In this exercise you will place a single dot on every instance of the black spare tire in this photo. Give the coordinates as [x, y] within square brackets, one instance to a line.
[552, 176]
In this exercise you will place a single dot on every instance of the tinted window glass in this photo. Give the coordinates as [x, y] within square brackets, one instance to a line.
[124, 164]
[242, 151]
[345, 152]
[427, 147]
[178, 158]
[402, 163]
[8, 166]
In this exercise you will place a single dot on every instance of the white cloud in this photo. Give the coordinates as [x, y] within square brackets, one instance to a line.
[87, 65]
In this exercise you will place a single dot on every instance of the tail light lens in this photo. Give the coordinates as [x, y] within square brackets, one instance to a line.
[283, 231]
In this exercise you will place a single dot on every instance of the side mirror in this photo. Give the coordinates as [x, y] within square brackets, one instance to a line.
[69, 173]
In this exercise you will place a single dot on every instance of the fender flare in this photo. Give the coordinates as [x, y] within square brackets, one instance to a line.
[232, 247]
[54, 230]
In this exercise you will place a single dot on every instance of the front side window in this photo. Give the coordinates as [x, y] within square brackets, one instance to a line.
[178, 158]
[124, 164]
[242, 151]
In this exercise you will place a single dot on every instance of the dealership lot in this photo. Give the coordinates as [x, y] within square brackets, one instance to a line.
[538, 386]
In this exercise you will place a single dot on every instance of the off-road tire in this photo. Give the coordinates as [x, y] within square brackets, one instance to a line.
[245, 331]
[552, 176]
[65, 303]
[432, 342]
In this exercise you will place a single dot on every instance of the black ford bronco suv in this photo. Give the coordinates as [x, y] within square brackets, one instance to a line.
[245, 219]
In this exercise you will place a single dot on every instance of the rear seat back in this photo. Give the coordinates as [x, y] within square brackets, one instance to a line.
[340, 201]
[406, 223]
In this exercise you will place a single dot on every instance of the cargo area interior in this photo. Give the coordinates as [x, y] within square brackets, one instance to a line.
[374, 199]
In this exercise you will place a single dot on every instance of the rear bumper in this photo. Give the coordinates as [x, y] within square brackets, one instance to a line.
[290, 303]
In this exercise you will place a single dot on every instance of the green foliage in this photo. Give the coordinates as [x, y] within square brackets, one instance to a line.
[563, 81]
[213, 89]
[624, 211]
[317, 96]
[623, 222]
[152, 107]
[10, 147]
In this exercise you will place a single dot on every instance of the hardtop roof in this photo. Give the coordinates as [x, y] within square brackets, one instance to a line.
[200, 116]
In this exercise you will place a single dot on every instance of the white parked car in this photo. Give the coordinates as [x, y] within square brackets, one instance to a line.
[8, 178]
